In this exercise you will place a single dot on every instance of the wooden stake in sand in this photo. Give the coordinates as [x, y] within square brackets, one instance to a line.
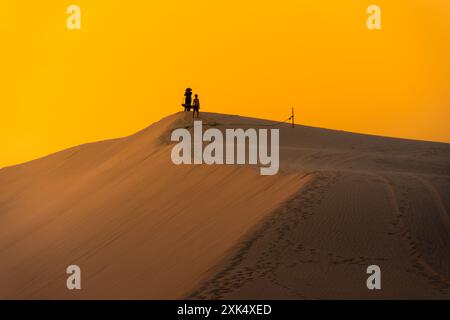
[292, 118]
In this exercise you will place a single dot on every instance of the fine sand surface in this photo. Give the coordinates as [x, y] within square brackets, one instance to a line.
[142, 228]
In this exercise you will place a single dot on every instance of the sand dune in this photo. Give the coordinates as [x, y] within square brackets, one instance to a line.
[142, 228]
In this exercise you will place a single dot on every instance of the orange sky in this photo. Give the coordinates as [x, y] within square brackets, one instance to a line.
[132, 60]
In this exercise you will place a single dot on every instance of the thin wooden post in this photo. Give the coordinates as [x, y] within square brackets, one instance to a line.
[292, 117]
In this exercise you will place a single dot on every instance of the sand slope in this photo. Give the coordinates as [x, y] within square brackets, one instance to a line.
[141, 227]
[137, 225]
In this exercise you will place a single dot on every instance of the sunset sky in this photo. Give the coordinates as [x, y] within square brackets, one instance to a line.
[131, 61]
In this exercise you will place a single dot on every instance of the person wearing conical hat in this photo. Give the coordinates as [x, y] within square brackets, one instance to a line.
[188, 99]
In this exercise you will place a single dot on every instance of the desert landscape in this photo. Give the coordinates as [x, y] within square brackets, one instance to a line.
[141, 227]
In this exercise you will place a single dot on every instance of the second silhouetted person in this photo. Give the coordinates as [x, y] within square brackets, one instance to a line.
[196, 106]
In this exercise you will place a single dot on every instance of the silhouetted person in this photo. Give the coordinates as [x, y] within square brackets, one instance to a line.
[188, 99]
[196, 106]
